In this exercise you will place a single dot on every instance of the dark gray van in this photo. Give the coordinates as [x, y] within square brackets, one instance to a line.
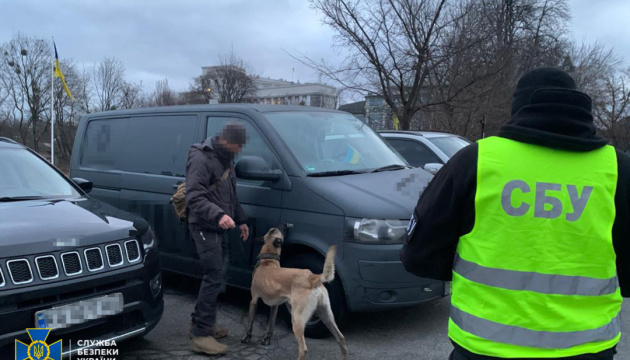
[325, 174]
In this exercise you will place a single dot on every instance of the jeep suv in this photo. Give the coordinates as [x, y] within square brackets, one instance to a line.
[69, 262]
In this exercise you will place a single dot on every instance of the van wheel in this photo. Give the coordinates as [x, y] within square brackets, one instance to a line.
[315, 328]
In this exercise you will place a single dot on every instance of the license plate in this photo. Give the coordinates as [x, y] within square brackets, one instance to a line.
[80, 312]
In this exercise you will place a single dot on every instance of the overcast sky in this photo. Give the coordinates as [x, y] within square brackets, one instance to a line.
[157, 39]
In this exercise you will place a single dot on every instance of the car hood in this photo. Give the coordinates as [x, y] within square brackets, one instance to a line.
[383, 195]
[30, 227]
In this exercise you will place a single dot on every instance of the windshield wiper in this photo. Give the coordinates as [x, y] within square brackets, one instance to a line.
[19, 198]
[336, 173]
[390, 168]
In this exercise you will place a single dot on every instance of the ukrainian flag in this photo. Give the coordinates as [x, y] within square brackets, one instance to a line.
[59, 74]
[352, 155]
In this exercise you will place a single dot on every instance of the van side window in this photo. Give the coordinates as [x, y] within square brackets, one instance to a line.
[255, 145]
[104, 144]
[159, 144]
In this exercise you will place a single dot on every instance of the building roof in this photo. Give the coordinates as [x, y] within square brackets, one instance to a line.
[354, 108]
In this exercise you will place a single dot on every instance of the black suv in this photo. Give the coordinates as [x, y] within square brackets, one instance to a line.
[69, 262]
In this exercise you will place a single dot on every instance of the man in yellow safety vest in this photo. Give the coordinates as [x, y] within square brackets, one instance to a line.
[533, 228]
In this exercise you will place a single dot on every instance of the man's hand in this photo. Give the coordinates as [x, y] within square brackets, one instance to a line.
[244, 232]
[226, 223]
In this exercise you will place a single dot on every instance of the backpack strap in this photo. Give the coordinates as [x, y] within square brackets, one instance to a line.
[226, 174]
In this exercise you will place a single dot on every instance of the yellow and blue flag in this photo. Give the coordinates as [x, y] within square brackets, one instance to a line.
[352, 155]
[59, 74]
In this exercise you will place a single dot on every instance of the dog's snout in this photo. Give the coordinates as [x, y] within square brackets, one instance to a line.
[277, 242]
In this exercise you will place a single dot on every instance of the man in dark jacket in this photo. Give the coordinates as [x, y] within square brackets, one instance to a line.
[213, 209]
[533, 228]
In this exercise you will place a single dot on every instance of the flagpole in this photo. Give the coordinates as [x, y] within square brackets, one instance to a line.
[52, 107]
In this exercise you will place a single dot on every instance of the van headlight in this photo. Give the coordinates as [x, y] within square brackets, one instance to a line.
[374, 231]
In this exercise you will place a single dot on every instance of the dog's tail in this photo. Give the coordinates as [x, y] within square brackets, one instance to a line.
[329, 265]
[328, 274]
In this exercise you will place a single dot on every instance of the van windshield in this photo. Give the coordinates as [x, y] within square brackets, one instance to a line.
[328, 142]
[24, 176]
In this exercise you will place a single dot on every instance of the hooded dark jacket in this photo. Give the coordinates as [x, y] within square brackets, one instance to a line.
[446, 209]
[205, 207]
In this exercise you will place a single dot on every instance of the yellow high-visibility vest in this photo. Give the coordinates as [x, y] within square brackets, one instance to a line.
[536, 277]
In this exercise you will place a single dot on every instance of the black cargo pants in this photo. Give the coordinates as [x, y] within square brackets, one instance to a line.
[213, 253]
[461, 354]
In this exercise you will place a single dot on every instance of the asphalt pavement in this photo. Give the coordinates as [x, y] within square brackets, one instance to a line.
[418, 332]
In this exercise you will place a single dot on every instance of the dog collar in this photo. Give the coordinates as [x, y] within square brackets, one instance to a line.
[268, 256]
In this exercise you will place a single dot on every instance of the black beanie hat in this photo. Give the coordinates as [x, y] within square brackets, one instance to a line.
[548, 85]
[547, 110]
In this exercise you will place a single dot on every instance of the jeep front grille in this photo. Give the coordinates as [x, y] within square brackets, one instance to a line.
[133, 250]
[2, 282]
[20, 271]
[47, 267]
[71, 263]
[94, 259]
[114, 255]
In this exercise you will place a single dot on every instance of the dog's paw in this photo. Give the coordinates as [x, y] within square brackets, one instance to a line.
[246, 339]
[265, 342]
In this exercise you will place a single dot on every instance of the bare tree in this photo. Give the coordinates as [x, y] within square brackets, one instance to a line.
[611, 109]
[163, 95]
[109, 84]
[229, 82]
[494, 42]
[25, 74]
[392, 47]
[132, 96]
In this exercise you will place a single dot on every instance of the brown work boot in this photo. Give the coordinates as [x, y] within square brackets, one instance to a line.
[208, 345]
[219, 332]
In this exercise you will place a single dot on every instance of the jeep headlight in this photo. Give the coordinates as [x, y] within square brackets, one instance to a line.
[149, 241]
[374, 231]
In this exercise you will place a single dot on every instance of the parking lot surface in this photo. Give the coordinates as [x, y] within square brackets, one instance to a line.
[418, 332]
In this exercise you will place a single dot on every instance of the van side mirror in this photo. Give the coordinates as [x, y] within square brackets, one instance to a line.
[256, 168]
[85, 185]
[433, 168]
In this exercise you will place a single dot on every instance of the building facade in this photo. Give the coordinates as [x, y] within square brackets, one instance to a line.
[282, 92]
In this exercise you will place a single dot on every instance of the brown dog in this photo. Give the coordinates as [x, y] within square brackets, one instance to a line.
[303, 290]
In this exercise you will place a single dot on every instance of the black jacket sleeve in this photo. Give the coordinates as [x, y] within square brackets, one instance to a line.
[198, 180]
[621, 227]
[445, 212]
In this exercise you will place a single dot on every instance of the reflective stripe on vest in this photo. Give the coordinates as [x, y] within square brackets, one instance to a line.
[519, 336]
[536, 282]
[536, 277]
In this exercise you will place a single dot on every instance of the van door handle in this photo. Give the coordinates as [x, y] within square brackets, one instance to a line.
[175, 186]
